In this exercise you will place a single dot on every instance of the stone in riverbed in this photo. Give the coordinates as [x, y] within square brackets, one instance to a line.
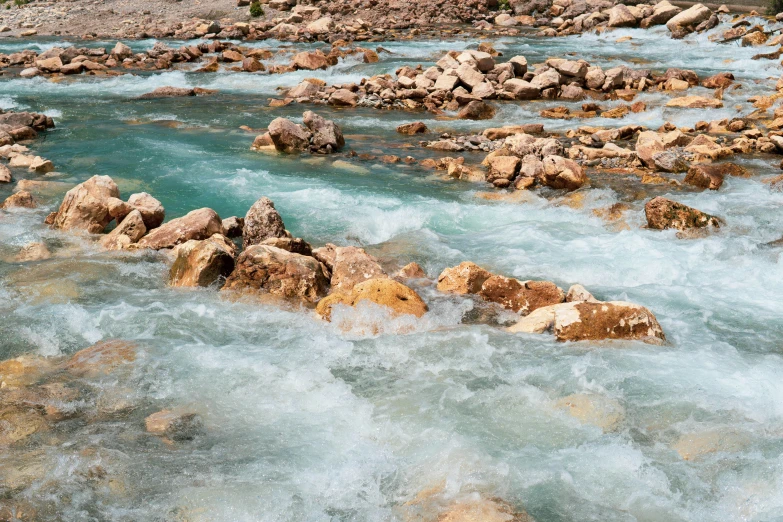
[691, 17]
[695, 102]
[202, 263]
[521, 89]
[233, 226]
[411, 271]
[84, 207]
[40, 165]
[562, 173]
[36, 251]
[5, 174]
[351, 266]
[647, 144]
[262, 222]
[197, 224]
[465, 278]
[392, 294]
[590, 408]
[21, 199]
[326, 135]
[343, 98]
[621, 16]
[281, 273]
[121, 51]
[102, 358]
[288, 136]
[152, 211]
[168, 92]
[711, 176]
[593, 321]
[297, 245]
[305, 89]
[129, 231]
[521, 296]
[664, 213]
[25, 370]
[310, 61]
[477, 110]
[412, 128]
[174, 425]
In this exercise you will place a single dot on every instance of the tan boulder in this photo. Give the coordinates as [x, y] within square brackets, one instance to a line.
[25, 370]
[202, 263]
[174, 425]
[648, 144]
[262, 222]
[129, 231]
[386, 292]
[664, 213]
[693, 446]
[288, 136]
[84, 206]
[310, 61]
[35, 251]
[411, 271]
[197, 224]
[465, 278]
[590, 408]
[695, 102]
[152, 211]
[343, 98]
[21, 199]
[102, 358]
[279, 272]
[521, 296]
[692, 16]
[562, 173]
[351, 266]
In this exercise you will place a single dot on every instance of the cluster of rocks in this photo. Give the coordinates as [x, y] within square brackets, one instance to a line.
[317, 135]
[21, 127]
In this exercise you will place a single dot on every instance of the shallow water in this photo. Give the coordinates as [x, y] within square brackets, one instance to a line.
[307, 422]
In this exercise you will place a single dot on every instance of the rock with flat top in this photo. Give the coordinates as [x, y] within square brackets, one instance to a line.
[197, 224]
[85, 207]
[465, 278]
[664, 213]
[386, 292]
[202, 263]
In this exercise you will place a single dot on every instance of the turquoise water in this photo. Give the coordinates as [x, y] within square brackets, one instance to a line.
[304, 421]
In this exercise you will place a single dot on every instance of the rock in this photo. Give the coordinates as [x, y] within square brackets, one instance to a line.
[384, 291]
[173, 425]
[478, 509]
[521, 296]
[5, 174]
[262, 221]
[719, 81]
[233, 226]
[412, 128]
[351, 266]
[84, 207]
[121, 51]
[647, 144]
[327, 136]
[321, 26]
[411, 271]
[754, 39]
[692, 446]
[695, 102]
[30, 72]
[670, 161]
[296, 245]
[579, 293]
[197, 224]
[446, 82]
[465, 278]
[662, 12]
[664, 213]
[152, 211]
[521, 90]
[711, 176]
[278, 272]
[128, 232]
[469, 75]
[546, 80]
[168, 92]
[18, 423]
[202, 263]
[288, 137]
[343, 98]
[21, 199]
[691, 17]
[562, 173]
[621, 16]
[519, 63]
[51, 65]
[263, 142]
[118, 209]
[592, 321]
[25, 370]
[477, 110]
[102, 358]
[41, 165]
[598, 410]
[310, 61]
[252, 65]
[33, 252]
[503, 167]
[303, 90]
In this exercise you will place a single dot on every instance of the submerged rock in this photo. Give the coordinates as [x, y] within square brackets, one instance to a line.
[521, 296]
[197, 224]
[85, 206]
[664, 213]
[21, 199]
[262, 222]
[386, 292]
[590, 408]
[202, 263]
[174, 425]
[326, 135]
[288, 136]
[711, 176]
[351, 266]
[102, 358]
[279, 272]
[36, 251]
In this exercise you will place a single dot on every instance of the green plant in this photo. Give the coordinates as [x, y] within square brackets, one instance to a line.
[775, 6]
[20, 3]
[504, 5]
[256, 10]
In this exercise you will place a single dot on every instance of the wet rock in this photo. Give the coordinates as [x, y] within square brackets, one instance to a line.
[85, 206]
[412, 128]
[168, 92]
[648, 144]
[121, 51]
[411, 271]
[202, 263]
[305, 89]
[691, 17]
[5, 174]
[719, 81]
[262, 221]
[562, 173]
[310, 61]
[351, 266]
[693, 446]
[477, 110]
[40, 165]
[297, 245]
[482, 510]
[579, 293]
[278, 272]
[590, 408]
[465, 278]
[33, 252]
[621, 16]
[126, 233]
[670, 161]
[521, 296]
[664, 213]
[288, 136]
[386, 292]
[102, 358]
[177, 426]
[503, 167]
[695, 102]
[592, 321]
[343, 98]
[326, 135]
[25, 370]
[711, 176]
[18, 423]
[118, 208]
[21, 199]
[152, 211]
[197, 224]
[662, 13]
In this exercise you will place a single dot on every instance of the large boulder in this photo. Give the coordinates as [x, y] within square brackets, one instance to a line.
[129, 231]
[648, 144]
[521, 296]
[662, 12]
[592, 321]
[21, 199]
[279, 272]
[175, 426]
[465, 278]
[691, 17]
[621, 16]
[310, 61]
[84, 207]
[386, 292]
[562, 173]
[664, 213]
[202, 263]
[711, 176]
[262, 222]
[102, 358]
[197, 224]
[477, 110]
[327, 136]
[351, 266]
[288, 136]
[152, 211]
